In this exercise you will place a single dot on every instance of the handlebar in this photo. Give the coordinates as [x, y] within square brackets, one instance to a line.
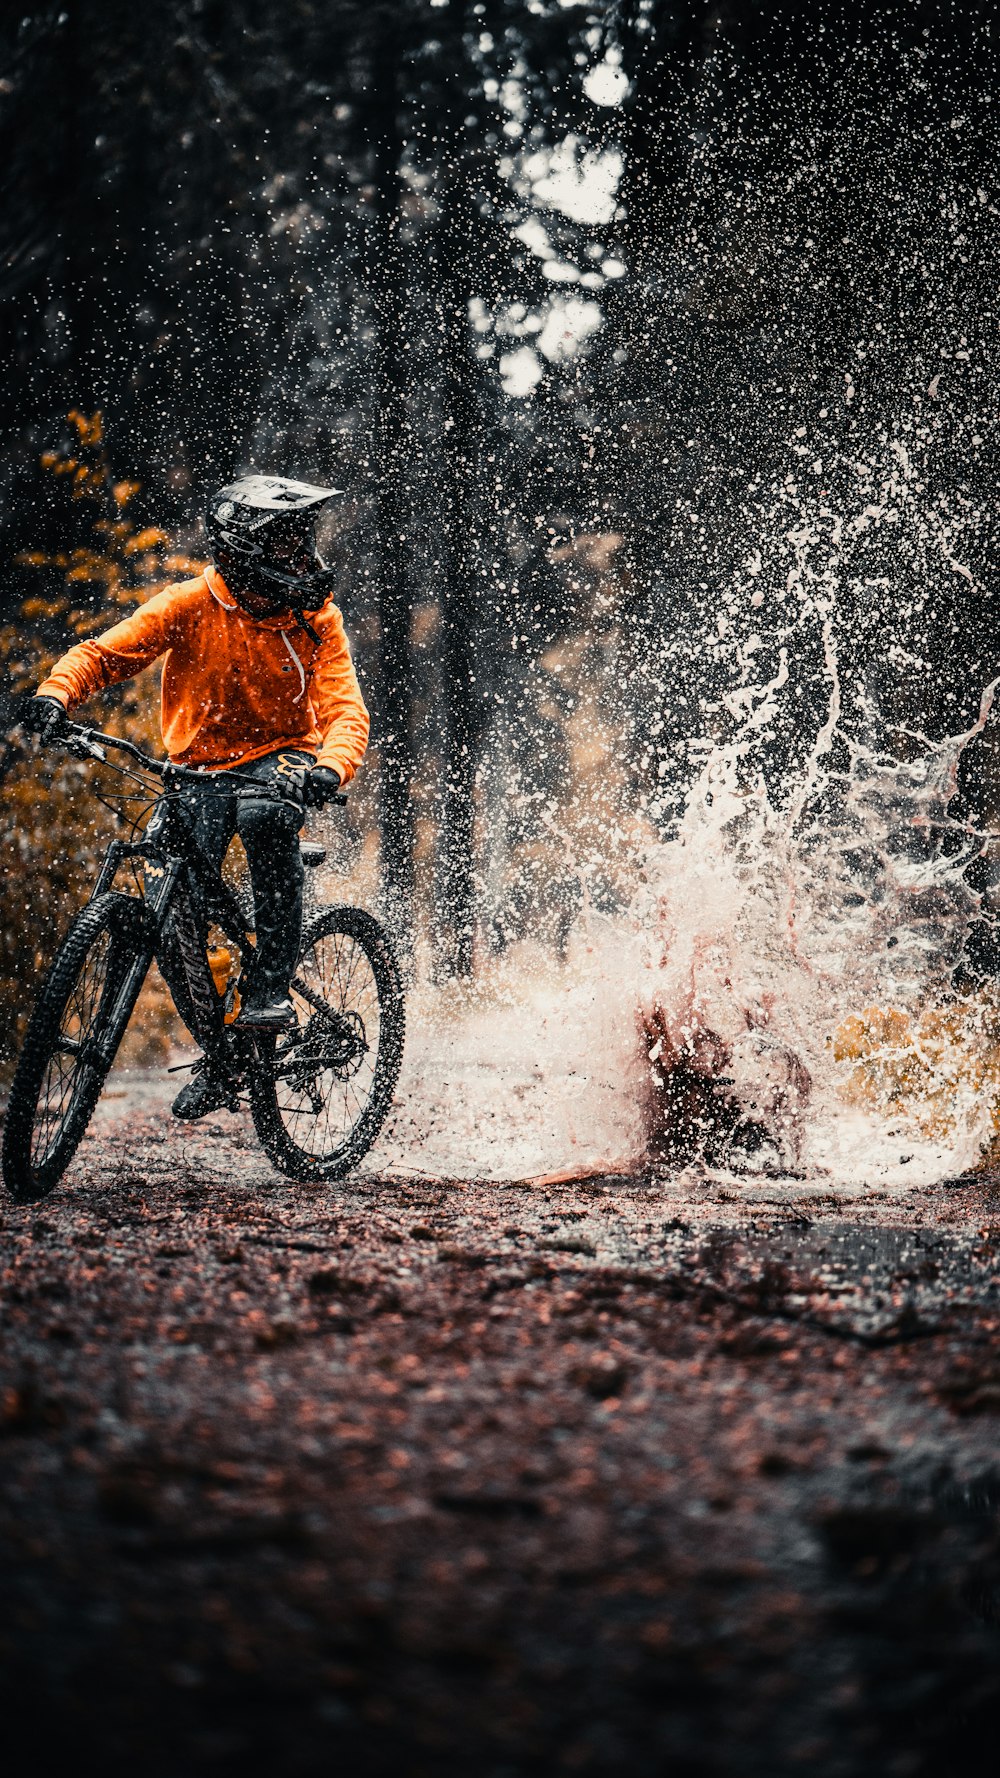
[90, 743]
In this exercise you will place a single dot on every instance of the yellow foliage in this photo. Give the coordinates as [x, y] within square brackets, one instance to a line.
[91, 431]
[119, 547]
[921, 1066]
[86, 566]
[180, 564]
[41, 608]
[148, 539]
[53, 831]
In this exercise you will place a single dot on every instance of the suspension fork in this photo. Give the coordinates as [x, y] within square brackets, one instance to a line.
[161, 877]
[155, 910]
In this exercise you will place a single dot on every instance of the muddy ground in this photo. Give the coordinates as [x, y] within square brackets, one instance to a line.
[673, 1475]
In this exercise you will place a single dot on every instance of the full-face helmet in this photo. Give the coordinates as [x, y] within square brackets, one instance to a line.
[262, 530]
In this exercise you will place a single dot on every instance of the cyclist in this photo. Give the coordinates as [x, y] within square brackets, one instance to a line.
[257, 674]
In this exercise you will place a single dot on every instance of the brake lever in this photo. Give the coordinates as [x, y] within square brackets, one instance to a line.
[81, 746]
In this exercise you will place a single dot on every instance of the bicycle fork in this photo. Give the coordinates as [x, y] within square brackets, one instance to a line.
[154, 910]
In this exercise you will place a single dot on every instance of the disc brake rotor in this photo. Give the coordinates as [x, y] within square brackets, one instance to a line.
[331, 1042]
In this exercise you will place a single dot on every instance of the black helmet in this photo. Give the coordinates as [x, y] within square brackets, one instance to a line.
[262, 530]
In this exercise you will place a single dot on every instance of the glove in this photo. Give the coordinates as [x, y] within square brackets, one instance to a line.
[321, 784]
[44, 717]
[292, 785]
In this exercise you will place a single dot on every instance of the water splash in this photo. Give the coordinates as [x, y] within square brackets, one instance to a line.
[538, 1071]
[801, 392]
[777, 997]
[777, 924]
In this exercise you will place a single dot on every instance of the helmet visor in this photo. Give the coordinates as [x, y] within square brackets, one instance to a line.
[291, 549]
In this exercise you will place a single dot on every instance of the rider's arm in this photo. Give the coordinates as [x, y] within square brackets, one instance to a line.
[121, 651]
[336, 698]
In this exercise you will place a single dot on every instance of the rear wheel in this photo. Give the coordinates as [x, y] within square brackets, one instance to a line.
[77, 1024]
[322, 1091]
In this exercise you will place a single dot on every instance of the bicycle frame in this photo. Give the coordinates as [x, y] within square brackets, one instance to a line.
[165, 865]
[318, 1088]
[171, 854]
[167, 859]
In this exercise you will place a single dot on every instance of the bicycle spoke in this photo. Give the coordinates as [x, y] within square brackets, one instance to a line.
[339, 978]
[331, 1083]
[69, 1072]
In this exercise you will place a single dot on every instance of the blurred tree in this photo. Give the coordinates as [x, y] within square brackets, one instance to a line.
[53, 827]
[514, 272]
[389, 280]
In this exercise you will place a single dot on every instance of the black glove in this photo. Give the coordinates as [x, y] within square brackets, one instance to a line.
[321, 784]
[44, 717]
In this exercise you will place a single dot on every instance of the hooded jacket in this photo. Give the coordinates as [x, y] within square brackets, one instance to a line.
[234, 687]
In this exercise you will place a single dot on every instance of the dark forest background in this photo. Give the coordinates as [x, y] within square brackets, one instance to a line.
[579, 434]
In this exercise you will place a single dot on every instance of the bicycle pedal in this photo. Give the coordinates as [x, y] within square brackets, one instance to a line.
[275, 1016]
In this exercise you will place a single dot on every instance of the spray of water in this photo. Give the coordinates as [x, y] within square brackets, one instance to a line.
[778, 996]
[807, 956]
[803, 458]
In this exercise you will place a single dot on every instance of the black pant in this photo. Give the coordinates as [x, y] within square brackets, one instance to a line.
[270, 835]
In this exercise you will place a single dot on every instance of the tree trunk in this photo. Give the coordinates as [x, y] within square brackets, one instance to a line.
[461, 669]
[390, 431]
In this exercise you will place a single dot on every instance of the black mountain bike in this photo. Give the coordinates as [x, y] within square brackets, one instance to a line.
[318, 1091]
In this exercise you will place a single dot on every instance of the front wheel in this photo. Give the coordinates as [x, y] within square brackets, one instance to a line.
[320, 1093]
[78, 1022]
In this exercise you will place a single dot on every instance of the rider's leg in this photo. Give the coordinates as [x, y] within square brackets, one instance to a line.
[214, 810]
[270, 835]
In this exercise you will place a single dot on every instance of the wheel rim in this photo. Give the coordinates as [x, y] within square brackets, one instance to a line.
[325, 1071]
[69, 1071]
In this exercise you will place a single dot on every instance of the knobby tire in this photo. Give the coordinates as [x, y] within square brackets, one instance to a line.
[109, 934]
[362, 1086]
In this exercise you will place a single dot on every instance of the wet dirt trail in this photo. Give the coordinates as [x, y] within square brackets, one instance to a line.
[671, 1474]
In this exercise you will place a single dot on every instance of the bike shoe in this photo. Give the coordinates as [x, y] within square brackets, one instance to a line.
[203, 1093]
[266, 1013]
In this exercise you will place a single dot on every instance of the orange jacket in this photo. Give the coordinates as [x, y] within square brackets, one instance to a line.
[234, 687]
